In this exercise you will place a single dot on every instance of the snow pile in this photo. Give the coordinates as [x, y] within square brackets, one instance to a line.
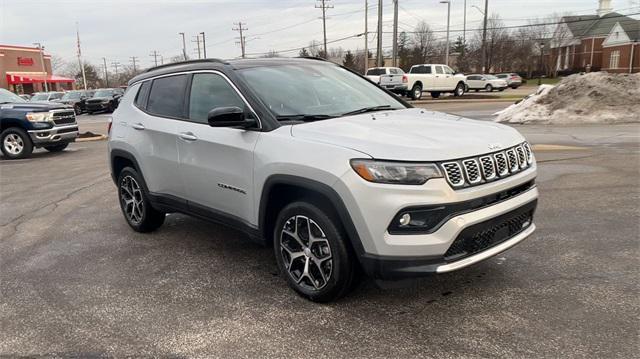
[596, 97]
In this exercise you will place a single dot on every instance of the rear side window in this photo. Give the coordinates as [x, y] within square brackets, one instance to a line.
[167, 96]
[209, 91]
[143, 93]
[376, 72]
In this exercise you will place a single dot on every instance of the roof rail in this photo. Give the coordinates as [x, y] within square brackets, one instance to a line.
[313, 58]
[186, 63]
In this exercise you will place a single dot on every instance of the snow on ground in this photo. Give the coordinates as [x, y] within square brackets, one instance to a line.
[596, 97]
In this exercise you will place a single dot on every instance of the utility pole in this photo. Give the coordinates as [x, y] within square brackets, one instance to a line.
[84, 77]
[197, 41]
[155, 55]
[133, 60]
[379, 54]
[106, 73]
[115, 65]
[323, 5]
[395, 32]
[239, 27]
[161, 60]
[446, 56]
[204, 46]
[366, 36]
[484, 38]
[464, 28]
[184, 46]
[44, 68]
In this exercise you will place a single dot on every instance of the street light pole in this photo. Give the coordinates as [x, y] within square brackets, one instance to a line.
[484, 38]
[44, 68]
[379, 54]
[464, 28]
[366, 35]
[184, 46]
[448, 2]
[541, 63]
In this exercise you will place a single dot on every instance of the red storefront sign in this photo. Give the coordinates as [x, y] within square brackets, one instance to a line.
[25, 61]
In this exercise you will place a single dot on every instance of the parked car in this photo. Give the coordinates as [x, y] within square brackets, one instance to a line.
[435, 79]
[332, 171]
[28, 125]
[488, 83]
[77, 100]
[374, 73]
[46, 96]
[25, 97]
[104, 100]
[513, 80]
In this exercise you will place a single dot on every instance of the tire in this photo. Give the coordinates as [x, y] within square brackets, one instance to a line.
[134, 202]
[435, 94]
[502, 89]
[476, 90]
[15, 143]
[323, 270]
[77, 109]
[416, 92]
[57, 148]
[459, 91]
[89, 112]
[489, 88]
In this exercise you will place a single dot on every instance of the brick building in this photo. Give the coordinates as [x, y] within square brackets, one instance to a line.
[22, 70]
[608, 41]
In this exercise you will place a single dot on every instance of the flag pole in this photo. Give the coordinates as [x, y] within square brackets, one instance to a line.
[84, 77]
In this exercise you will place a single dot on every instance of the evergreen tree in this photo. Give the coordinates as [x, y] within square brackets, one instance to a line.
[349, 60]
[303, 53]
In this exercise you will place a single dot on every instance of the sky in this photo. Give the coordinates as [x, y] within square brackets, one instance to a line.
[120, 29]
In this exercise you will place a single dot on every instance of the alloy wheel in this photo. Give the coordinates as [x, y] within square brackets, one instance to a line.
[132, 201]
[306, 253]
[13, 144]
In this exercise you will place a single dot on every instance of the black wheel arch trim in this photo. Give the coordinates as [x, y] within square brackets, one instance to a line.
[321, 188]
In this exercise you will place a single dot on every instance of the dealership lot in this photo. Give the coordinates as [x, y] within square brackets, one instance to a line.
[75, 280]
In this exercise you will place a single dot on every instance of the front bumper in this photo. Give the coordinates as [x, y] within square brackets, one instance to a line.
[372, 207]
[98, 106]
[54, 135]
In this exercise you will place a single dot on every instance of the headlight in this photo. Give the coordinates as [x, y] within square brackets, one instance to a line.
[38, 116]
[395, 172]
[105, 101]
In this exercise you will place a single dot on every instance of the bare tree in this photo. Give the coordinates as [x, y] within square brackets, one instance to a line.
[271, 53]
[423, 42]
[57, 63]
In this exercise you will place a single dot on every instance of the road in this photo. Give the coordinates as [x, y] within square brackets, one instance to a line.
[77, 282]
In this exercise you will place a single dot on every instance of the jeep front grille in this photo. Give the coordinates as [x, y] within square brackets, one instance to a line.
[473, 171]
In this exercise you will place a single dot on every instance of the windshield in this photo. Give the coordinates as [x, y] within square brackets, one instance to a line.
[314, 90]
[40, 97]
[103, 93]
[8, 97]
[490, 77]
[72, 96]
[375, 72]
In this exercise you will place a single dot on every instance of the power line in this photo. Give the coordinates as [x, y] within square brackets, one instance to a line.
[302, 47]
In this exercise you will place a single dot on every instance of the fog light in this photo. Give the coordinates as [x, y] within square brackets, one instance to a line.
[405, 219]
[526, 223]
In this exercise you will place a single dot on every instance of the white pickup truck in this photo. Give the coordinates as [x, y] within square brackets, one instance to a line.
[434, 78]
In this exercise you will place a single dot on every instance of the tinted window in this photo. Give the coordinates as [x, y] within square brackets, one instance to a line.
[56, 96]
[143, 93]
[448, 70]
[167, 96]
[209, 91]
[376, 72]
[439, 70]
[502, 76]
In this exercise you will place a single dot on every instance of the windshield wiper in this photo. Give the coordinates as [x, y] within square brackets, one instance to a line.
[302, 117]
[368, 109]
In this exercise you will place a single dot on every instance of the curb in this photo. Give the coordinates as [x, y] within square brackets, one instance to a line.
[426, 102]
[94, 138]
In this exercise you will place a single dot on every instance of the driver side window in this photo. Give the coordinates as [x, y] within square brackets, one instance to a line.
[209, 91]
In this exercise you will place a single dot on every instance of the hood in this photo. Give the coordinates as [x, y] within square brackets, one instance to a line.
[101, 98]
[34, 106]
[411, 135]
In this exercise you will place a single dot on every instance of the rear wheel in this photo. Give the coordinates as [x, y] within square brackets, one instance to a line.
[435, 94]
[134, 203]
[416, 92]
[489, 88]
[15, 143]
[312, 254]
[57, 148]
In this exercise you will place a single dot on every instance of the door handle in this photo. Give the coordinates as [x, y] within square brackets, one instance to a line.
[188, 136]
[138, 126]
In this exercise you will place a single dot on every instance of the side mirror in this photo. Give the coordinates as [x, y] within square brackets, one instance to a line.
[229, 117]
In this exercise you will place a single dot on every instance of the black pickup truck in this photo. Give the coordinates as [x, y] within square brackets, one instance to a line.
[28, 125]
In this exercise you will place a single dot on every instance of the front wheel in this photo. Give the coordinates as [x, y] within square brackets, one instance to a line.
[459, 91]
[312, 254]
[57, 148]
[15, 143]
[416, 92]
[134, 202]
[489, 88]
[77, 109]
[435, 94]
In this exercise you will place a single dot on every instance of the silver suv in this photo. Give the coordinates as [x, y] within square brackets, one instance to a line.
[335, 173]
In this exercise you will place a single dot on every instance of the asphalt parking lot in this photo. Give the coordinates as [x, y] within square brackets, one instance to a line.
[76, 281]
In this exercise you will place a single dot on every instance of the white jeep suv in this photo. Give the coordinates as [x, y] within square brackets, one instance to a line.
[334, 172]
